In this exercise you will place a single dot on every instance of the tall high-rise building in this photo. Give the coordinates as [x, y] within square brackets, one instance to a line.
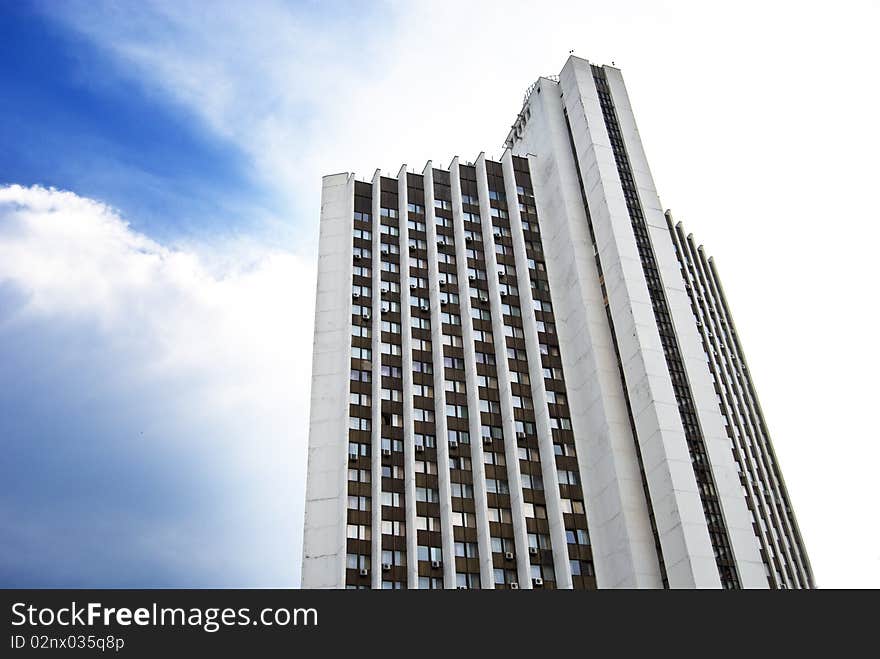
[525, 375]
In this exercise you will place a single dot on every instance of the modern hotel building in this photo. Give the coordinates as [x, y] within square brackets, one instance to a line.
[526, 375]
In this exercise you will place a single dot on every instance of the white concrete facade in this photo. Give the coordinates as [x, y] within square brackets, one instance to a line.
[324, 538]
[680, 485]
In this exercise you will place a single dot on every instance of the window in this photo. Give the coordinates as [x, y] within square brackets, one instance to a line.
[429, 553]
[394, 557]
[515, 332]
[356, 423]
[457, 411]
[392, 444]
[460, 462]
[467, 520]
[510, 310]
[391, 394]
[490, 406]
[496, 486]
[532, 481]
[358, 475]
[453, 362]
[563, 449]
[500, 545]
[493, 458]
[360, 376]
[465, 490]
[500, 515]
[487, 381]
[572, 506]
[393, 420]
[359, 399]
[393, 499]
[358, 531]
[467, 580]
[359, 503]
[466, 549]
[425, 467]
[390, 349]
[482, 335]
[568, 477]
[393, 528]
[423, 390]
[525, 427]
[455, 386]
[539, 540]
[484, 358]
[427, 494]
[527, 453]
[388, 326]
[480, 314]
[361, 353]
[460, 436]
[420, 322]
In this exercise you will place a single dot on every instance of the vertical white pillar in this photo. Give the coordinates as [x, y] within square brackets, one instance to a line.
[478, 468]
[558, 540]
[376, 423]
[412, 567]
[324, 541]
[440, 425]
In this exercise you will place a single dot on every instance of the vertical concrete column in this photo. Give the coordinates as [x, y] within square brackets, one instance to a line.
[470, 367]
[448, 545]
[324, 543]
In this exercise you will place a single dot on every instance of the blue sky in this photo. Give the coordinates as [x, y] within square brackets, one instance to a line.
[73, 120]
[160, 168]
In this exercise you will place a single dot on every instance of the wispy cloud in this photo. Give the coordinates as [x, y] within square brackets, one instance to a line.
[152, 399]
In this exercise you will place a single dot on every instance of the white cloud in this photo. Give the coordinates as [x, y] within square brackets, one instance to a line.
[207, 362]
